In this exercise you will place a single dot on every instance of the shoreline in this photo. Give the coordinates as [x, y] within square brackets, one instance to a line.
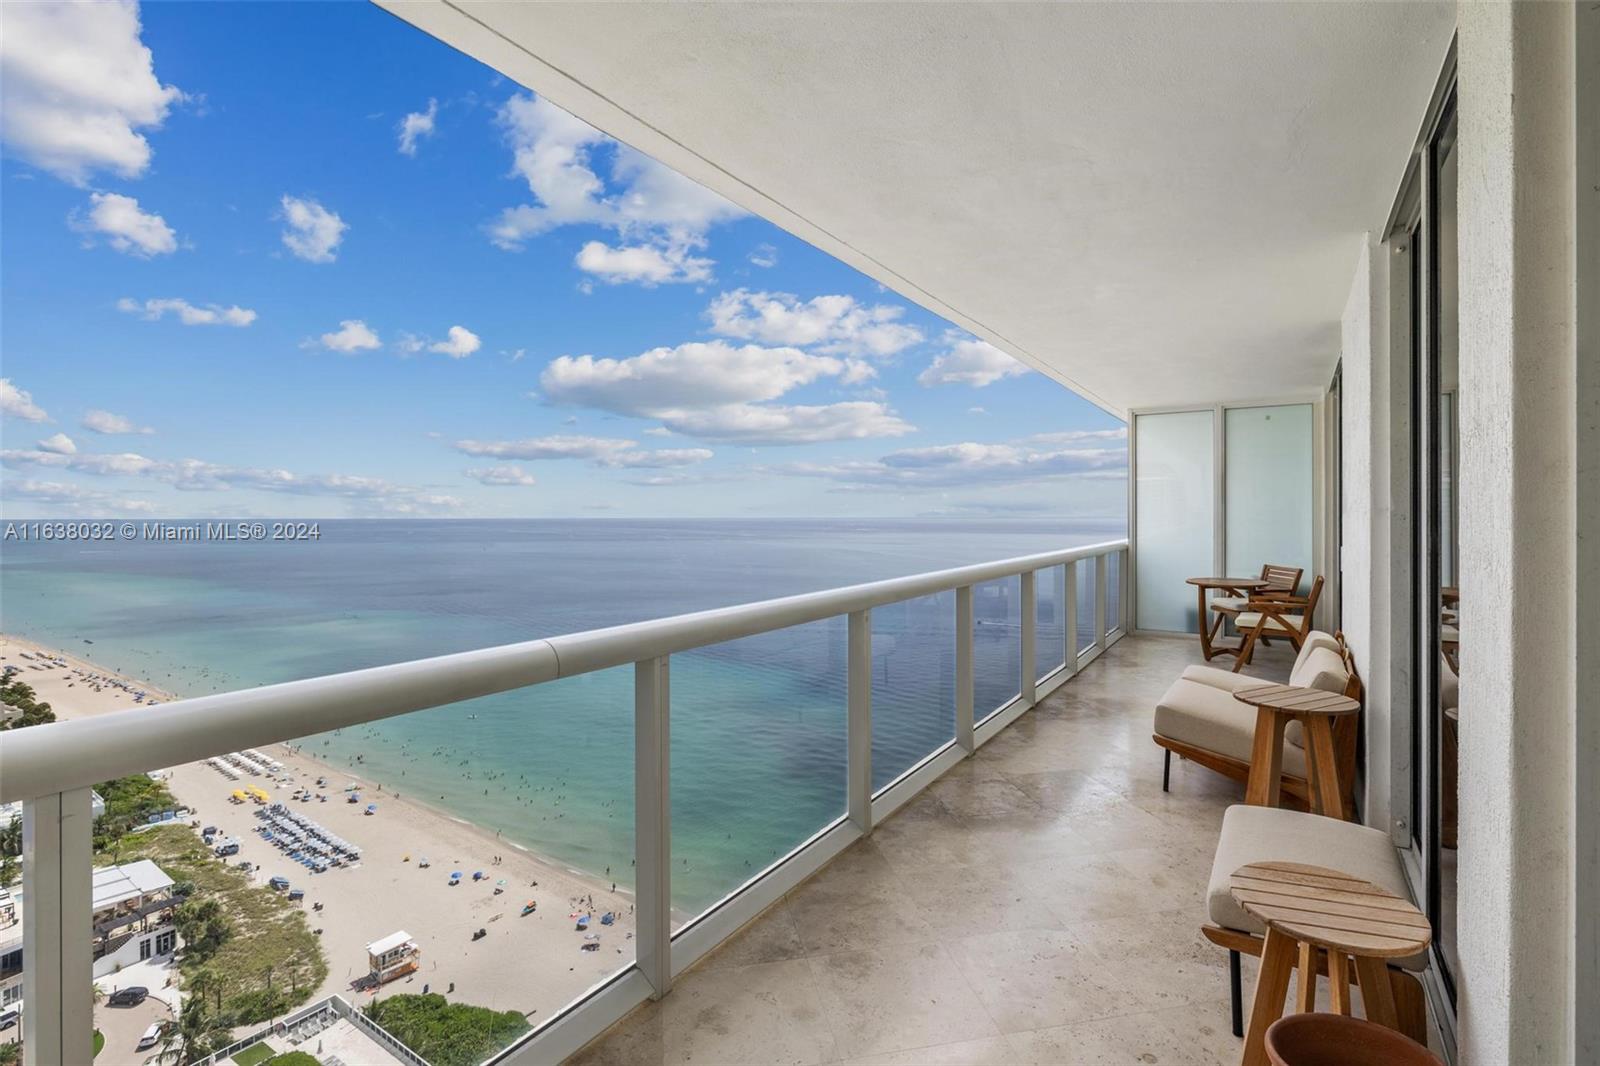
[387, 890]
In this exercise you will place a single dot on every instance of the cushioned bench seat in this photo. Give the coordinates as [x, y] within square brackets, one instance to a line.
[1202, 716]
[1269, 834]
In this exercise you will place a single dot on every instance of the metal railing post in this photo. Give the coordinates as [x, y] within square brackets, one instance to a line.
[1101, 595]
[57, 927]
[1030, 622]
[858, 747]
[652, 826]
[965, 681]
[1125, 588]
[1069, 595]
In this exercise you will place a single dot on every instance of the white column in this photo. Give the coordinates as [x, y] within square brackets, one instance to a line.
[858, 748]
[652, 827]
[964, 670]
[1030, 621]
[57, 927]
[1517, 925]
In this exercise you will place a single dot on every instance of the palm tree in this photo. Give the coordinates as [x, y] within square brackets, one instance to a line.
[198, 1032]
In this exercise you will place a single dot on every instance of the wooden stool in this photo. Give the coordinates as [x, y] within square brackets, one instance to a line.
[1306, 908]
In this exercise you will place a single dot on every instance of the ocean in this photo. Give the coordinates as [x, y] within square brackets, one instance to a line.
[758, 725]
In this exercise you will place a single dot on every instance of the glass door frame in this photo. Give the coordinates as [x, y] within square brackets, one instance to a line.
[1321, 477]
[1411, 239]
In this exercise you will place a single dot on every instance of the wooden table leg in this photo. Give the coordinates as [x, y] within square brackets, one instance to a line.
[1266, 760]
[1200, 620]
[1272, 985]
[1376, 995]
[1327, 798]
[1339, 981]
[1305, 993]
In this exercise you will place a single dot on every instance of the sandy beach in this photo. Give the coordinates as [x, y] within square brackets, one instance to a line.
[531, 964]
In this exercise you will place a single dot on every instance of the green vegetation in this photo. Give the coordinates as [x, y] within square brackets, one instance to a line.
[256, 955]
[130, 801]
[293, 1058]
[445, 1033]
[99, 1042]
[11, 1054]
[255, 1053]
[199, 1031]
[20, 694]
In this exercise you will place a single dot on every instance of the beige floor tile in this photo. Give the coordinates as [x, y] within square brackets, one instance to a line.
[992, 1051]
[1036, 978]
[898, 998]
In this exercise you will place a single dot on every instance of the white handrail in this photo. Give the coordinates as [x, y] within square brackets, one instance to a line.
[45, 759]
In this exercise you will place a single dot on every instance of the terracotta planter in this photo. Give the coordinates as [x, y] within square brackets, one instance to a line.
[1335, 1040]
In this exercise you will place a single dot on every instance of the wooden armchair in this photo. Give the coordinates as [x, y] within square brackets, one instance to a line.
[1280, 581]
[1276, 616]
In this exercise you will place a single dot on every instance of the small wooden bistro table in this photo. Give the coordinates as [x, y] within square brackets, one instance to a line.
[1233, 586]
[1276, 706]
[1307, 908]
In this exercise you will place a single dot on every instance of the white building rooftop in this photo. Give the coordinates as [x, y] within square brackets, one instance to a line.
[133, 880]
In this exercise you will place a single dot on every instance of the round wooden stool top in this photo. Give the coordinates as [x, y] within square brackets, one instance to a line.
[1330, 909]
[1292, 699]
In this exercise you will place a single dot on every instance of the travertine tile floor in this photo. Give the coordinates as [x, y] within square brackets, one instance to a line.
[1041, 903]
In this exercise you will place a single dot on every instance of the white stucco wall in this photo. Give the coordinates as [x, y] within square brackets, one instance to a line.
[1364, 609]
[1516, 923]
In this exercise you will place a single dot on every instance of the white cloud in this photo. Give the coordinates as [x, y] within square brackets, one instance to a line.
[108, 423]
[969, 361]
[314, 233]
[1078, 436]
[410, 344]
[125, 226]
[461, 343]
[716, 390]
[369, 494]
[648, 264]
[697, 374]
[558, 447]
[351, 336]
[555, 154]
[834, 324]
[751, 423]
[502, 475]
[602, 451]
[189, 314]
[60, 443]
[763, 256]
[415, 126]
[79, 87]
[18, 403]
[74, 497]
[969, 464]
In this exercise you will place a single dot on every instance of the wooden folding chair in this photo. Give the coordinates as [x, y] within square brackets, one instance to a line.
[1280, 581]
[1276, 616]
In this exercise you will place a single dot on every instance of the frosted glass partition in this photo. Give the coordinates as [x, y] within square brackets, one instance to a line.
[1173, 515]
[1268, 486]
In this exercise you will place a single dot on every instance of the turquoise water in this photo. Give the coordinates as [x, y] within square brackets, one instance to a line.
[758, 725]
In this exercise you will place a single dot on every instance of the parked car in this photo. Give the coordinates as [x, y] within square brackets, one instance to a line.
[131, 996]
[227, 848]
[151, 1036]
[8, 1019]
[244, 864]
[278, 883]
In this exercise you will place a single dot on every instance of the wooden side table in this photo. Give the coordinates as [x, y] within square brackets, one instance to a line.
[1312, 908]
[1276, 706]
[1210, 646]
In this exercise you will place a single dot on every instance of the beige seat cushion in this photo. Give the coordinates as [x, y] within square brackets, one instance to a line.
[1250, 619]
[1229, 603]
[1205, 717]
[1226, 680]
[1269, 834]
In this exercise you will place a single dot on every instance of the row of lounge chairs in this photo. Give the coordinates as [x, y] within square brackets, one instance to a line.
[1199, 720]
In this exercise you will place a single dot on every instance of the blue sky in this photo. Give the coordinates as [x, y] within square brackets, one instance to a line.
[303, 260]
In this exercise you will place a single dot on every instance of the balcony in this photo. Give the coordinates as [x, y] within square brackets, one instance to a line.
[1040, 903]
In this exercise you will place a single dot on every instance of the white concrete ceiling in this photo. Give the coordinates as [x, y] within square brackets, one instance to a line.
[1154, 204]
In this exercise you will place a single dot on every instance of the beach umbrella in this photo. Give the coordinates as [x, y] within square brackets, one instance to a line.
[455, 875]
